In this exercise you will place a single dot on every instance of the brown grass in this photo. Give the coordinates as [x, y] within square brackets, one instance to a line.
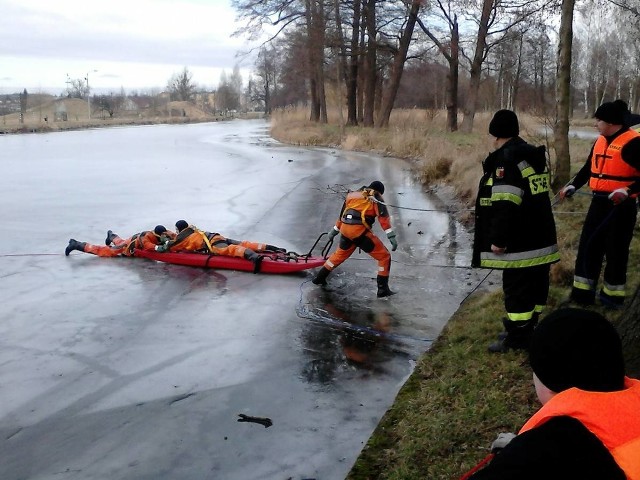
[78, 116]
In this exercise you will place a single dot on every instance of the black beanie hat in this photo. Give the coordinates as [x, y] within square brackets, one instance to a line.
[377, 186]
[504, 124]
[611, 112]
[159, 230]
[181, 225]
[579, 348]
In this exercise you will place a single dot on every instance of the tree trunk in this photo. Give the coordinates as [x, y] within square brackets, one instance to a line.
[452, 85]
[629, 328]
[315, 44]
[563, 97]
[476, 67]
[518, 74]
[398, 65]
[370, 63]
[452, 55]
[352, 78]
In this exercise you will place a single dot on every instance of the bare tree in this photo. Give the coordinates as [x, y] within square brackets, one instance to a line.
[181, 86]
[563, 96]
[76, 88]
[291, 15]
[266, 82]
[449, 48]
[495, 20]
[399, 59]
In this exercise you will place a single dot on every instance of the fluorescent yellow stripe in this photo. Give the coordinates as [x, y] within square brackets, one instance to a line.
[509, 197]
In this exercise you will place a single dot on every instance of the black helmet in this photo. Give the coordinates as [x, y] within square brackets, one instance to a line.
[378, 186]
[181, 225]
[159, 230]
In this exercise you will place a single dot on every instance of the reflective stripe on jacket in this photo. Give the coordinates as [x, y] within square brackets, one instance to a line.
[609, 171]
[610, 416]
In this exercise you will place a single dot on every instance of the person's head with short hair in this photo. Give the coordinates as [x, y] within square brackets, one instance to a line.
[378, 186]
[572, 347]
[181, 225]
[504, 124]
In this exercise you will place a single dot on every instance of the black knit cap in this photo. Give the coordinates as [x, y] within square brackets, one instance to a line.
[378, 186]
[181, 225]
[573, 347]
[612, 112]
[504, 124]
[159, 230]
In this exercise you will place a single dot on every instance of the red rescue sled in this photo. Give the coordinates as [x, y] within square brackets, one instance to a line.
[271, 262]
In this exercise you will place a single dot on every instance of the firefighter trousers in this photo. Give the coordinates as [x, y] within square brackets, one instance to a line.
[607, 233]
[525, 291]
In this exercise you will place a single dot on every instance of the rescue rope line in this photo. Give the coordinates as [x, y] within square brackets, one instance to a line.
[469, 209]
[29, 254]
[476, 287]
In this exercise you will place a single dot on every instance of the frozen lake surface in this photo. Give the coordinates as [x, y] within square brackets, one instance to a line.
[129, 369]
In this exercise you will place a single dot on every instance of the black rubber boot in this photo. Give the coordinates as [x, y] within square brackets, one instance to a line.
[110, 237]
[534, 319]
[74, 245]
[518, 336]
[255, 258]
[273, 248]
[321, 276]
[383, 287]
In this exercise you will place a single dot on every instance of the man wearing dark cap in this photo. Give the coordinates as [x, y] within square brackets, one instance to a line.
[514, 228]
[588, 426]
[116, 246]
[613, 172]
[191, 239]
[358, 214]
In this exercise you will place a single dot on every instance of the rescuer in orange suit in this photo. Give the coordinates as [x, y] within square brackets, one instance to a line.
[192, 239]
[357, 216]
[116, 246]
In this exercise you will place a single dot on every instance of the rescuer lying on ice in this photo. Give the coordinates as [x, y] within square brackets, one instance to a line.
[192, 239]
[115, 246]
[358, 215]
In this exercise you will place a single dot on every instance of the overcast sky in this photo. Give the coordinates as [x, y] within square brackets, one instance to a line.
[135, 44]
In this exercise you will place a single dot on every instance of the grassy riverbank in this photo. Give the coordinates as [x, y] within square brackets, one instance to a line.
[459, 397]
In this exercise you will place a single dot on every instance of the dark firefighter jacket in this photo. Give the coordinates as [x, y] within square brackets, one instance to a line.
[513, 209]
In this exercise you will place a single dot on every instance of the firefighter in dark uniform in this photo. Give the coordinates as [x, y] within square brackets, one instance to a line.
[613, 172]
[358, 214]
[514, 228]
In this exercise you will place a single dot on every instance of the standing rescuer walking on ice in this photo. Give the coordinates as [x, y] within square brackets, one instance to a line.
[514, 228]
[357, 217]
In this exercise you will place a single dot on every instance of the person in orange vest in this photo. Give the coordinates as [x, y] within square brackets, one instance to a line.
[191, 239]
[115, 246]
[613, 173]
[358, 214]
[588, 426]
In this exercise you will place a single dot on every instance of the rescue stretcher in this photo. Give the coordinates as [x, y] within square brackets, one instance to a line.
[279, 263]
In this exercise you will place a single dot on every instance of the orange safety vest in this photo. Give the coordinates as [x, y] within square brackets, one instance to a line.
[608, 170]
[610, 416]
[360, 208]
